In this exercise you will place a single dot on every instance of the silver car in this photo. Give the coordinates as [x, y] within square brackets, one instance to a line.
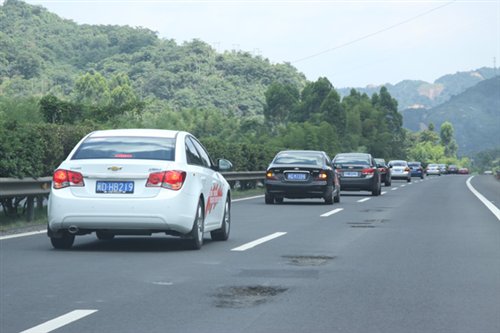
[400, 170]
[433, 169]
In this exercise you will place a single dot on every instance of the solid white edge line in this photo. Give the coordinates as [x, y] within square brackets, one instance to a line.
[60, 321]
[363, 200]
[249, 198]
[485, 201]
[259, 241]
[394, 189]
[23, 234]
[332, 212]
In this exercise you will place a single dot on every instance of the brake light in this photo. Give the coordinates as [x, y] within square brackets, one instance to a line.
[64, 178]
[381, 169]
[407, 169]
[270, 175]
[171, 179]
[322, 176]
[368, 171]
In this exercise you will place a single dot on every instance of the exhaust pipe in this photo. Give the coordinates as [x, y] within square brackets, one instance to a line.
[73, 229]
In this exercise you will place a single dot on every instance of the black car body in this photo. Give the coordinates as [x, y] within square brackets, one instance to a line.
[385, 171]
[358, 172]
[299, 174]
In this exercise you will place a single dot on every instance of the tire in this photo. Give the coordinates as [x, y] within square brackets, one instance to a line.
[387, 183]
[337, 197]
[269, 199]
[222, 234]
[104, 235]
[196, 234]
[329, 197]
[408, 180]
[376, 191]
[64, 242]
[278, 200]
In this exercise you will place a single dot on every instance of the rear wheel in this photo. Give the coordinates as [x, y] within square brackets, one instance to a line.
[408, 180]
[336, 198]
[196, 234]
[279, 200]
[222, 234]
[64, 242]
[269, 199]
[377, 189]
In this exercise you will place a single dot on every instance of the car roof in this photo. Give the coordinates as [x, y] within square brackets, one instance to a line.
[136, 132]
[301, 151]
[365, 155]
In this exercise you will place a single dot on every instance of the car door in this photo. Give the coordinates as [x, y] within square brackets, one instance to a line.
[212, 187]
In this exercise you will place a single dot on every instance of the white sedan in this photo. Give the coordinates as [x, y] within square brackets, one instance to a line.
[139, 182]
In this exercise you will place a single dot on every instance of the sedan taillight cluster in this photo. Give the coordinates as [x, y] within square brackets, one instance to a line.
[172, 179]
[64, 178]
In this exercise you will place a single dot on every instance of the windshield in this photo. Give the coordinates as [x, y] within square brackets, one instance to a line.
[146, 148]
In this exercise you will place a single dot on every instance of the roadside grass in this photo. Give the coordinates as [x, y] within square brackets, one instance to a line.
[11, 224]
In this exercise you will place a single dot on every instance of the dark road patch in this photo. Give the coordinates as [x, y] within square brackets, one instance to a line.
[246, 296]
[308, 260]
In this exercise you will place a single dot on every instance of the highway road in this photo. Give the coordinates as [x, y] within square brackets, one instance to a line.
[423, 257]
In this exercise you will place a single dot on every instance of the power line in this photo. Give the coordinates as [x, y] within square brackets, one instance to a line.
[374, 33]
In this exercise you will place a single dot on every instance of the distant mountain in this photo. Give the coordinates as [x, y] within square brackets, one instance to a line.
[475, 115]
[420, 94]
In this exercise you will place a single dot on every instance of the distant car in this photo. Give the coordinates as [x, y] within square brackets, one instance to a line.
[488, 172]
[416, 169]
[443, 168]
[358, 172]
[298, 174]
[400, 170]
[139, 182]
[463, 171]
[452, 169]
[385, 171]
[433, 169]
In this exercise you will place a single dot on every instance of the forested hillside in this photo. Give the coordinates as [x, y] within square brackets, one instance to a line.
[475, 114]
[60, 80]
[41, 53]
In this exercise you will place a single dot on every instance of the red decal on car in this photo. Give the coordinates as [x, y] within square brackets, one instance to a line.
[213, 198]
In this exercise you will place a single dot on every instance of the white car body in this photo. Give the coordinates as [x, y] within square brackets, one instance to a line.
[77, 210]
[400, 170]
[433, 169]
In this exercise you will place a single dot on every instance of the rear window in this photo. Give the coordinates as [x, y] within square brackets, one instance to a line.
[142, 148]
[351, 160]
[398, 163]
[299, 158]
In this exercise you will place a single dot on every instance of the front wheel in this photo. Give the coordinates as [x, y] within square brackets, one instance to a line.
[269, 199]
[222, 234]
[196, 234]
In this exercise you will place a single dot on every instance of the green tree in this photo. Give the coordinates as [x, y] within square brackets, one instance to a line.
[448, 140]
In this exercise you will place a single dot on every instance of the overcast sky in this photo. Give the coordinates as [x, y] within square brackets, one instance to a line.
[352, 43]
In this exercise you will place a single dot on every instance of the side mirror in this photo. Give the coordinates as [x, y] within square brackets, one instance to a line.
[224, 165]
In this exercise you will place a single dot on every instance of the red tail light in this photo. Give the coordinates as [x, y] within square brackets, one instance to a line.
[381, 169]
[368, 171]
[172, 179]
[64, 178]
[407, 169]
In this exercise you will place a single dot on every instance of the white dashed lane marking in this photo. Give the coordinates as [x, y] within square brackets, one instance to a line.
[259, 241]
[61, 321]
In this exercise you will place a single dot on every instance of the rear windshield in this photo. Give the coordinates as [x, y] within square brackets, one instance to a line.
[142, 148]
[355, 160]
[299, 158]
[413, 163]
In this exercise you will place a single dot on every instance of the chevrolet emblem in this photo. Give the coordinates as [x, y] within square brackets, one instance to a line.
[114, 168]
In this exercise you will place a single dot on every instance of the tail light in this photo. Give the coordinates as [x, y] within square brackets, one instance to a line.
[407, 169]
[322, 176]
[270, 175]
[381, 169]
[64, 178]
[368, 172]
[172, 179]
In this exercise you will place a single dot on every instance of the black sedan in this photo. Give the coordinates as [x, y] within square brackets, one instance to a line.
[299, 174]
[385, 171]
[358, 172]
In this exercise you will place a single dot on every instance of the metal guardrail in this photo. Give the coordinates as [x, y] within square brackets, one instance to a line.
[30, 188]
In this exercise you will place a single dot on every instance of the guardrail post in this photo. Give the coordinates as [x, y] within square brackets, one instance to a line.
[30, 208]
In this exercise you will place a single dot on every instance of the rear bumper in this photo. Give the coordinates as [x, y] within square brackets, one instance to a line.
[351, 184]
[316, 189]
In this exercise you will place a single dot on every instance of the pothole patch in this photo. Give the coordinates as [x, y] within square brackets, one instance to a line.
[308, 260]
[246, 296]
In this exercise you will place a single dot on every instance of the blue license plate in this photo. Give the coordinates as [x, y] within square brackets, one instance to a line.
[296, 176]
[114, 187]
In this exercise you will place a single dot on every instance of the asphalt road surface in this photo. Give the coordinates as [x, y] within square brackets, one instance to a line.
[423, 257]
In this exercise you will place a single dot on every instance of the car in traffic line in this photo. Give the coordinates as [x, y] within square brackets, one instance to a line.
[433, 169]
[400, 170]
[416, 169]
[358, 172]
[300, 174]
[139, 182]
[385, 171]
